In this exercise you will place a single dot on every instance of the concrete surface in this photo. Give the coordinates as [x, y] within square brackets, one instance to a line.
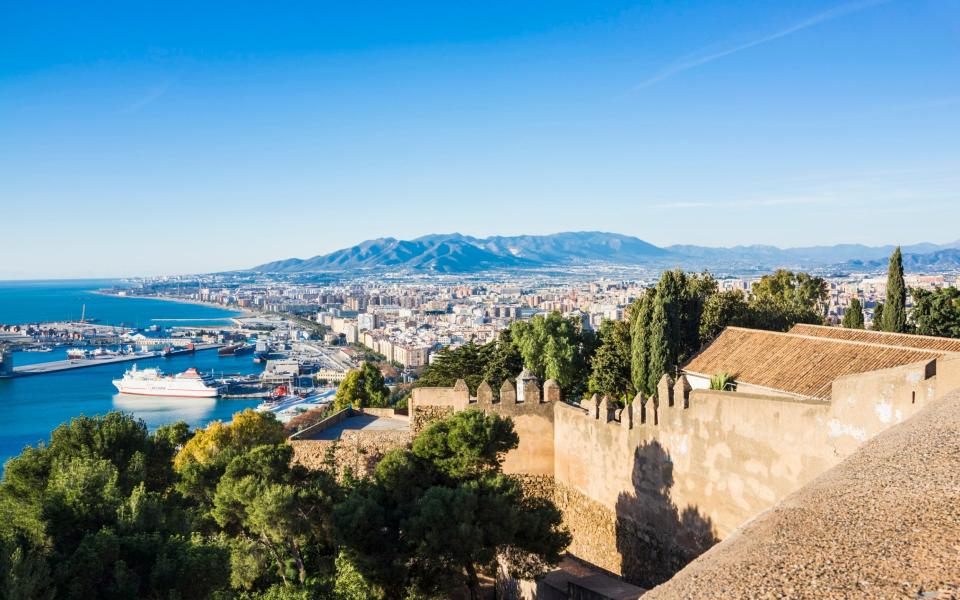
[366, 423]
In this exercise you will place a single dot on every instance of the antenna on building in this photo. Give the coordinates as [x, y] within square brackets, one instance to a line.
[83, 314]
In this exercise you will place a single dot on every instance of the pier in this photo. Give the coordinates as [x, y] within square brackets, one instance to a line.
[83, 363]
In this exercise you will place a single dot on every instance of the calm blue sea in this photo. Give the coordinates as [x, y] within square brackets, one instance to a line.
[36, 301]
[30, 407]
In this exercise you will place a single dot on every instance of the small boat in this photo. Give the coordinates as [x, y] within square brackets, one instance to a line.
[77, 354]
[229, 350]
[38, 349]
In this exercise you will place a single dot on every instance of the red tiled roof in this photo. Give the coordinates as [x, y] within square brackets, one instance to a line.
[802, 365]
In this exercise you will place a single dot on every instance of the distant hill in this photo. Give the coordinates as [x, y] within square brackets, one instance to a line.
[457, 253]
[941, 260]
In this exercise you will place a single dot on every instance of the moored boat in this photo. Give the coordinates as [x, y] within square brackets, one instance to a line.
[152, 382]
[228, 350]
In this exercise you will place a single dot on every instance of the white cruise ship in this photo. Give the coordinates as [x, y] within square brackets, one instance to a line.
[152, 382]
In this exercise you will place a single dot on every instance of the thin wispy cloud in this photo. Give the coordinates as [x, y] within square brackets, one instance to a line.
[750, 203]
[151, 95]
[817, 19]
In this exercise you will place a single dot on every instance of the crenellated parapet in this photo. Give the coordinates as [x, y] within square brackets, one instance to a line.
[514, 399]
[530, 407]
[641, 411]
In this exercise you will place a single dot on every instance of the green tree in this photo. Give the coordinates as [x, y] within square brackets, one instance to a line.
[936, 312]
[684, 297]
[95, 514]
[641, 312]
[660, 356]
[610, 367]
[895, 308]
[204, 458]
[363, 387]
[723, 309]
[450, 364]
[503, 361]
[280, 511]
[853, 316]
[659, 346]
[784, 299]
[877, 323]
[556, 347]
[441, 512]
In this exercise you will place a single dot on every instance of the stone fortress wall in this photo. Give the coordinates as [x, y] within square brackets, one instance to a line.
[646, 489]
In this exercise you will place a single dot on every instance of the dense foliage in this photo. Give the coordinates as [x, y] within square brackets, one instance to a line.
[435, 516]
[363, 387]
[610, 367]
[556, 347]
[853, 316]
[551, 346]
[936, 312]
[110, 510]
[94, 514]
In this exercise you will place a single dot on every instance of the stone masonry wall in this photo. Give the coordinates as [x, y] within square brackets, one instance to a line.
[425, 415]
[359, 451]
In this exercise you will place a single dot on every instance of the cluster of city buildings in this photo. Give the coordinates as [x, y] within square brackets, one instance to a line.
[407, 320]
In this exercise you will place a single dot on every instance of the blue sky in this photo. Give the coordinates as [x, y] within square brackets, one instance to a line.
[172, 137]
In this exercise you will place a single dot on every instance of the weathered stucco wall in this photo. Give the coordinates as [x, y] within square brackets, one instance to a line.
[697, 473]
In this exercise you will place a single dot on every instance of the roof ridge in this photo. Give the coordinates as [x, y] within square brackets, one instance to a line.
[849, 342]
[880, 333]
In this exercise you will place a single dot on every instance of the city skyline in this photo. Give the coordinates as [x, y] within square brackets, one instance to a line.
[170, 140]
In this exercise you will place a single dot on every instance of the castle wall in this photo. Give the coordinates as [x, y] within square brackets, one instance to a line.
[647, 489]
[683, 478]
[532, 419]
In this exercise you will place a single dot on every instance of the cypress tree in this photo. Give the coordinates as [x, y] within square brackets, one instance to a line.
[671, 290]
[878, 317]
[853, 316]
[658, 341]
[638, 340]
[895, 309]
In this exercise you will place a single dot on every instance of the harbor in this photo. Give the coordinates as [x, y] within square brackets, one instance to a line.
[45, 389]
[54, 370]
[83, 363]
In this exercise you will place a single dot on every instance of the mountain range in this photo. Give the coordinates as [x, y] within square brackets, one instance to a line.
[457, 253]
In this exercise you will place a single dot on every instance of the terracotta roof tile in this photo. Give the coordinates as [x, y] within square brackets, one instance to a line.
[802, 365]
[920, 342]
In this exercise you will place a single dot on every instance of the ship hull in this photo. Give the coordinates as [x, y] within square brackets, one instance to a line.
[166, 392]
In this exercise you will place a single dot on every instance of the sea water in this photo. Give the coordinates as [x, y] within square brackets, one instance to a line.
[31, 407]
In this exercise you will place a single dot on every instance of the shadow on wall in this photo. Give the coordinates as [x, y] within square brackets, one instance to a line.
[654, 538]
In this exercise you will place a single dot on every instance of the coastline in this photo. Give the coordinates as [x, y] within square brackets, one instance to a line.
[243, 312]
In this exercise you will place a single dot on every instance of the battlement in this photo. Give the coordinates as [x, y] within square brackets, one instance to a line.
[664, 477]
[529, 406]
[524, 398]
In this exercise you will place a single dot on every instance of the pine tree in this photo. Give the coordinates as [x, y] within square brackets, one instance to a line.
[658, 349]
[895, 309]
[853, 316]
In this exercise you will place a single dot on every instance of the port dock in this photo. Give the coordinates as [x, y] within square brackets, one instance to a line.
[58, 366]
